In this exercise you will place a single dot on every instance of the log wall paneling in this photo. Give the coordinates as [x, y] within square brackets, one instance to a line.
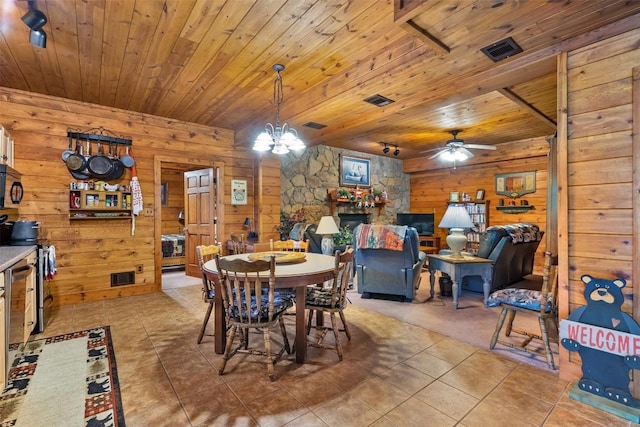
[89, 251]
[601, 189]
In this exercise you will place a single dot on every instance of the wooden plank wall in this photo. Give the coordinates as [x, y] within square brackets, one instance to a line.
[88, 252]
[430, 189]
[600, 171]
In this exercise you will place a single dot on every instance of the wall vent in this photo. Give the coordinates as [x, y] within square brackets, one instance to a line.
[123, 278]
[378, 100]
[314, 125]
[502, 49]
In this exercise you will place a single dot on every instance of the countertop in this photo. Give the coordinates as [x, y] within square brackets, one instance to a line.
[9, 255]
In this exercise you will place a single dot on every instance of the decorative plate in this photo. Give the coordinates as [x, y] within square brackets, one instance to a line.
[282, 257]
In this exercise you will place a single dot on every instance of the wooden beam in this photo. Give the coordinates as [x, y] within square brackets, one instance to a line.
[508, 93]
[423, 35]
[635, 267]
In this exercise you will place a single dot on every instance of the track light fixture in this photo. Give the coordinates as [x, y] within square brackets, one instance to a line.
[385, 150]
[397, 151]
[35, 20]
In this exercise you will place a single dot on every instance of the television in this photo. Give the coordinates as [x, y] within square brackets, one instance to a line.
[424, 223]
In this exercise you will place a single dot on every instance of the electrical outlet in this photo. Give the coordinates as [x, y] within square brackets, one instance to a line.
[139, 268]
[148, 211]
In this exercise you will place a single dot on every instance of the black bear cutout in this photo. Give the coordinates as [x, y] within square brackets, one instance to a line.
[604, 374]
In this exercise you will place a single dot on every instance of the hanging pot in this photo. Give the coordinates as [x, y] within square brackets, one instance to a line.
[127, 160]
[118, 168]
[69, 151]
[99, 165]
[76, 161]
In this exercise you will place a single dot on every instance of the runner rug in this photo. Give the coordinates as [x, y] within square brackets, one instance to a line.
[66, 380]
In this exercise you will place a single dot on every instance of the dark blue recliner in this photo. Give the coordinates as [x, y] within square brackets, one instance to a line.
[389, 272]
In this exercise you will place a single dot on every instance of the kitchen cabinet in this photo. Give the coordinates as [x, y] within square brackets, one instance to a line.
[90, 204]
[18, 299]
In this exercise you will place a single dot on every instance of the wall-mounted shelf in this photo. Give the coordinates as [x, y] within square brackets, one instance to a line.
[90, 204]
[364, 200]
[515, 209]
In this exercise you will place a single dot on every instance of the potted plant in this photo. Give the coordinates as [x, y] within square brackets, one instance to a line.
[343, 238]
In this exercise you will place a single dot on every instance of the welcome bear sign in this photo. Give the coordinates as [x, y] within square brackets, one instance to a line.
[607, 340]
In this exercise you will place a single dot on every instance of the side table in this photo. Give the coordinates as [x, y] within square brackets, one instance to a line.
[457, 268]
[429, 244]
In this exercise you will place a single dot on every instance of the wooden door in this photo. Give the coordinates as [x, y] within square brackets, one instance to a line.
[200, 212]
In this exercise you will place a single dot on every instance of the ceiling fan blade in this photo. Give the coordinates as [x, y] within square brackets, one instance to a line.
[431, 149]
[480, 146]
[439, 153]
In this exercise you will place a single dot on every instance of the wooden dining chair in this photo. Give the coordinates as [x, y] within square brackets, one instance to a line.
[291, 245]
[204, 254]
[238, 243]
[332, 300]
[542, 303]
[250, 302]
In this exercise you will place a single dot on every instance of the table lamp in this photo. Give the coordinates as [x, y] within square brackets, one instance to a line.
[457, 219]
[327, 228]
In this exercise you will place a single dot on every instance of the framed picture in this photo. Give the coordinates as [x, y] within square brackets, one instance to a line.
[164, 193]
[516, 184]
[238, 192]
[355, 171]
[480, 194]
[454, 196]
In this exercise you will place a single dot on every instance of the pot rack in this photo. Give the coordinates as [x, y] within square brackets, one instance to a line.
[99, 135]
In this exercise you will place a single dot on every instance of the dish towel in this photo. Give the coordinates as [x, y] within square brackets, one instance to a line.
[51, 265]
[136, 198]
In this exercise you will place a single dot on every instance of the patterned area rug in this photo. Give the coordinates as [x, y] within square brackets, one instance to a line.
[66, 380]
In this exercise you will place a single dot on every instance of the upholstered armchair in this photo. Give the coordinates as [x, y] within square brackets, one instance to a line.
[387, 260]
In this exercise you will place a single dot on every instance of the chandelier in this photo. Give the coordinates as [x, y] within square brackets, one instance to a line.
[280, 139]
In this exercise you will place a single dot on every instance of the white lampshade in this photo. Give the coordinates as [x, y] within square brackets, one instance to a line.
[456, 216]
[327, 227]
[457, 219]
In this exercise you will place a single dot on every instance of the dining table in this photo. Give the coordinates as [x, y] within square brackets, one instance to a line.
[314, 270]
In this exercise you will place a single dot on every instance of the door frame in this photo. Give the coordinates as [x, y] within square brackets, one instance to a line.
[190, 163]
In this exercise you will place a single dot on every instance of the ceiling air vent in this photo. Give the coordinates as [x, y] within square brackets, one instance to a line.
[378, 100]
[502, 49]
[314, 125]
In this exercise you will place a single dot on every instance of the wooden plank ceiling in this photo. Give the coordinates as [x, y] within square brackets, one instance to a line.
[210, 62]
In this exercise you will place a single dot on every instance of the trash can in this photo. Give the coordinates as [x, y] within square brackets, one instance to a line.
[445, 285]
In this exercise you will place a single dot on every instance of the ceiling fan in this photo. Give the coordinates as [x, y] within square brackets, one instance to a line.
[456, 149]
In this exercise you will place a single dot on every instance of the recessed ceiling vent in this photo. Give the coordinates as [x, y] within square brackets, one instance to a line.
[314, 125]
[502, 49]
[378, 100]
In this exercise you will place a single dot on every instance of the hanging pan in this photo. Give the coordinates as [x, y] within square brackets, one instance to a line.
[76, 161]
[127, 160]
[66, 153]
[99, 165]
[118, 167]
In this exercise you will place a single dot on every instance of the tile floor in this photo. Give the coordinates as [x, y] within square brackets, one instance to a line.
[393, 374]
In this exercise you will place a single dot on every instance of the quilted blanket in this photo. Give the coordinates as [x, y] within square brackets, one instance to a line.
[371, 236]
[521, 232]
[172, 245]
